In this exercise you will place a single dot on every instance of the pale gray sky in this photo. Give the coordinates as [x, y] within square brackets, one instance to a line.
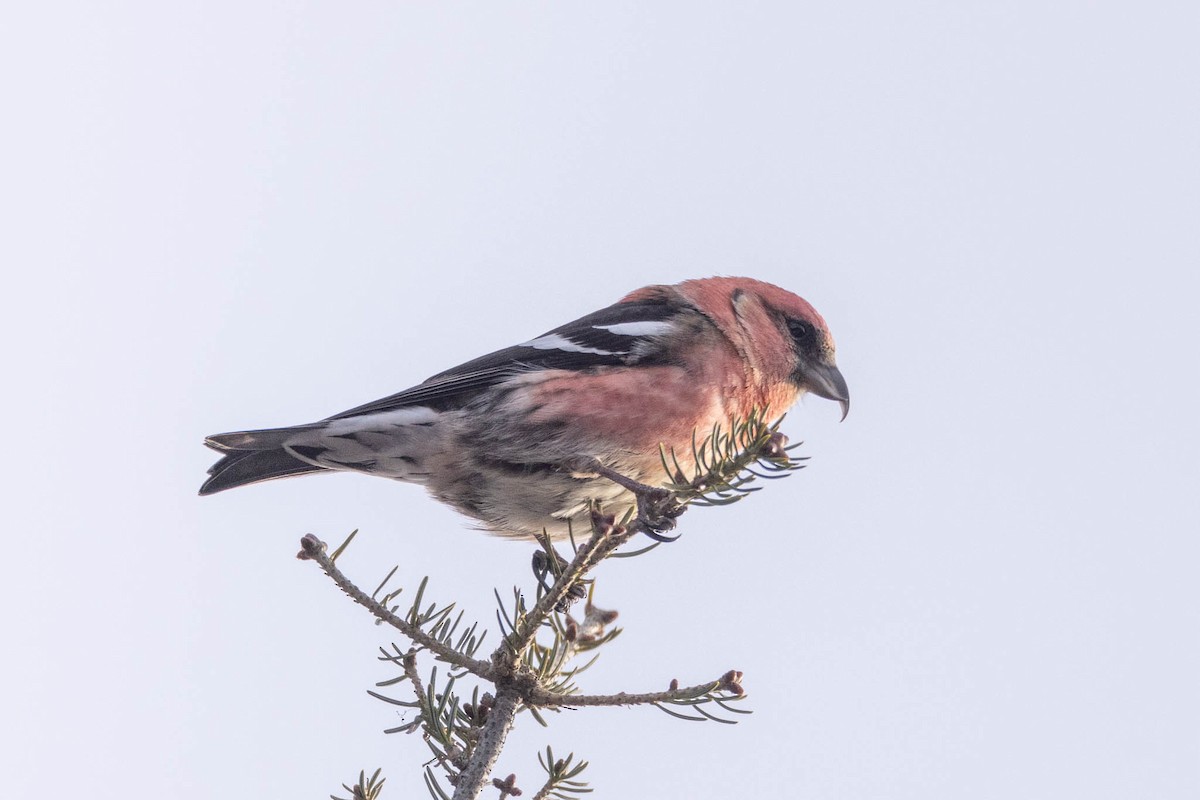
[226, 215]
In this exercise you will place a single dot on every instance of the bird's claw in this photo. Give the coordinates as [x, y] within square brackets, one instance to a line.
[657, 508]
[657, 512]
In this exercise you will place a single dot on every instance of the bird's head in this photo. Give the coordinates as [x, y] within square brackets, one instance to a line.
[777, 331]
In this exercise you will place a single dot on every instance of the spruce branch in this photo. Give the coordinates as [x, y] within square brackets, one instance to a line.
[560, 777]
[364, 789]
[729, 459]
[607, 536]
[491, 741]
[312, 548]
[543, 648]
[727, 688]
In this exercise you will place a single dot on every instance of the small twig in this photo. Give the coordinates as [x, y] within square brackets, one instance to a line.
[410, 672]
[560, 775]
[471, 780]
[312, 548]
[730, 682]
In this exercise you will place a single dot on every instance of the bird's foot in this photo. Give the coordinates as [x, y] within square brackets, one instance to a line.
[657, 508]
[657, 511]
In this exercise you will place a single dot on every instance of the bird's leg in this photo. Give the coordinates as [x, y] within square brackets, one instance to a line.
[657, 508]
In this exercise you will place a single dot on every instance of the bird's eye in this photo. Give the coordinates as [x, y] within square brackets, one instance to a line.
[799, 330]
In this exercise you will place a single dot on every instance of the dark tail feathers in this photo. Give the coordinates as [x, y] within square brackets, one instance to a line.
[250, 457]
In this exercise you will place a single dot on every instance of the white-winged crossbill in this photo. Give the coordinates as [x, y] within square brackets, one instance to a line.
[507, 438]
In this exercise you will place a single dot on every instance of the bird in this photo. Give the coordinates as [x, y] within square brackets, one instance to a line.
[524, 440]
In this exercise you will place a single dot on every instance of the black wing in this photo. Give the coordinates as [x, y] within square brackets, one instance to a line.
[622, 334]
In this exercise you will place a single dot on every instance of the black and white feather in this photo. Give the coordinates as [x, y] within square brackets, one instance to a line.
[404, 435]
[620, 335]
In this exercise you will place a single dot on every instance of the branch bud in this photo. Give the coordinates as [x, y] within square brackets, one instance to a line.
[598, 616]
[602, 523]
[775, 447]
[508, 786]
[310, 546]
